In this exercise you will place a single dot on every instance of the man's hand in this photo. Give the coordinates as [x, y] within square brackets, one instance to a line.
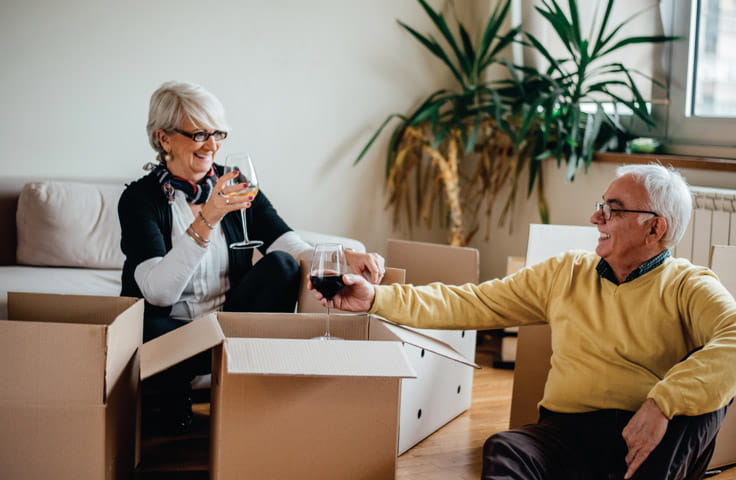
[642, 434]
[372, 263]
[356, 296]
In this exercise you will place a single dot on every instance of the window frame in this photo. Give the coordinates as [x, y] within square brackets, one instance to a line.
[685, 133]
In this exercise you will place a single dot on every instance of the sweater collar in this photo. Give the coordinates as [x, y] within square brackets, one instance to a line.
[605, 270]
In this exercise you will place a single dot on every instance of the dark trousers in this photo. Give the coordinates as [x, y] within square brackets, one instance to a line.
[271, 285]
[589, 446]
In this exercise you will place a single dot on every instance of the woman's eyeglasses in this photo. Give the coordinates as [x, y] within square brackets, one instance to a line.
[201, 137]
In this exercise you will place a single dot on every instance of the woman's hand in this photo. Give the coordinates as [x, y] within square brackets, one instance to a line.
[220, 204]
[372, 263]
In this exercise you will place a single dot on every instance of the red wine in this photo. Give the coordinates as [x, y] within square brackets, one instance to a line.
[327, 285]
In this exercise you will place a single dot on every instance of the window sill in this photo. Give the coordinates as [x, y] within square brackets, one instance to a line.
[677, 161]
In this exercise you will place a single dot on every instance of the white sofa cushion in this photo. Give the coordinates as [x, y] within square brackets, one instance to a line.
[69, 224]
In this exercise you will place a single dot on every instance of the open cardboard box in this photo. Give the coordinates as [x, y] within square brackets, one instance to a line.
[69, 386]
[285, 406]
[442, 389]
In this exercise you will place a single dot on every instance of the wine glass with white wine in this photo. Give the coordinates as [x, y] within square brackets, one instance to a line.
[326, 271]
[246, 176]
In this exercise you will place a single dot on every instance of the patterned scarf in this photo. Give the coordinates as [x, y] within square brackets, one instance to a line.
[196, 192]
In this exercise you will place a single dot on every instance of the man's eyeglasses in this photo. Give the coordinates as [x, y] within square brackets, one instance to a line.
[201, 137]
[607, 210]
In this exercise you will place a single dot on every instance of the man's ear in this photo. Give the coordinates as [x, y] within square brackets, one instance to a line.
[659, 228]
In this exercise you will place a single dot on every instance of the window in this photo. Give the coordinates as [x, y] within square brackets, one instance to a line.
[714, 70]
[702, 110]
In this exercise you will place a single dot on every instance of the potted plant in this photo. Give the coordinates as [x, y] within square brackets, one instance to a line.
[460, 148]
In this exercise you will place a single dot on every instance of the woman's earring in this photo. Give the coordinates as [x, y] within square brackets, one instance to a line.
[167, 157]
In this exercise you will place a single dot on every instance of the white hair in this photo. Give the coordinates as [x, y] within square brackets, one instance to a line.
[173, 102]
[669, 196]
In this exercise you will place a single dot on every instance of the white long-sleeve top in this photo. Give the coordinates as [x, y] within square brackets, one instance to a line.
[193, 279]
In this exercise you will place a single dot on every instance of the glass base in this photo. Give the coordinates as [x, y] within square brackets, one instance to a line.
[326, 336]
[246, 245]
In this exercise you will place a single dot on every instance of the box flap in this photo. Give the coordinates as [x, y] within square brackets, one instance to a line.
[723, 263]
[433, 262]
[124, 336]
[176, 346]
[392, 331]
[272, 356]
[64, 308]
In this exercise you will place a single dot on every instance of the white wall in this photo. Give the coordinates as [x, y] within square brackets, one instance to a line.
[305, 84]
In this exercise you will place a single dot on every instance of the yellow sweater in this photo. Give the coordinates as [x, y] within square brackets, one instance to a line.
[613, 345]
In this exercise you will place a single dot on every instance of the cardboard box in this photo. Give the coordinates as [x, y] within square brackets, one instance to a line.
[285, 406]
[723, 263]
[443, 389]
[534, 348]
[69, 386]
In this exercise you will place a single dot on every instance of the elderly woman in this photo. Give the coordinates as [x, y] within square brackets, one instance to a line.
[177, 223]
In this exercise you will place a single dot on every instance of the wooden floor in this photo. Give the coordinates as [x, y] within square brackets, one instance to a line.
[452, 453]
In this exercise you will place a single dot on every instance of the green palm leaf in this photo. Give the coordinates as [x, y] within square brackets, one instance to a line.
[638, 40]
[439, 21]
[436, 49]
[469, 55]
[559, 22]
[495, 22]
[376, 134]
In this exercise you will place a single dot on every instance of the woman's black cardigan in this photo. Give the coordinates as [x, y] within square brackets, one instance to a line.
[145, 222]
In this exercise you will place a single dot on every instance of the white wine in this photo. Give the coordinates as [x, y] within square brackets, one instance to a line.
[244, 193]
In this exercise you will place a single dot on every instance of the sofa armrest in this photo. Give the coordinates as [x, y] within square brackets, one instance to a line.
[314, 238]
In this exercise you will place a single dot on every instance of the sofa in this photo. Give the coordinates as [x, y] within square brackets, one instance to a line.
[63, 236]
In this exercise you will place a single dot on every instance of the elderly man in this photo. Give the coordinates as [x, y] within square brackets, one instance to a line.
[644, 344]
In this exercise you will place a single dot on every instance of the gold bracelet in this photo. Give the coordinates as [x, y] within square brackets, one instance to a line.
[201, 241]
[209, 225]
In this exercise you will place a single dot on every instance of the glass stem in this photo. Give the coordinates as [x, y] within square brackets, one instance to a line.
[245, 228]
[327, 326]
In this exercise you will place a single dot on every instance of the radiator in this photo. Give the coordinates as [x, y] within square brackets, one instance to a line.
[713, 223]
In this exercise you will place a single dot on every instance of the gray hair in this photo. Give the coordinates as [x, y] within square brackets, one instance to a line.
[669, 196]
[173, 102]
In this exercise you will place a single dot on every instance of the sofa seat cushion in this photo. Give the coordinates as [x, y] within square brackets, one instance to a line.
[69, 224]
[96, 281]
[76, 281]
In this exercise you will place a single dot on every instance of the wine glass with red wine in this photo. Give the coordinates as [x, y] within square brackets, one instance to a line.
[328, 267]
